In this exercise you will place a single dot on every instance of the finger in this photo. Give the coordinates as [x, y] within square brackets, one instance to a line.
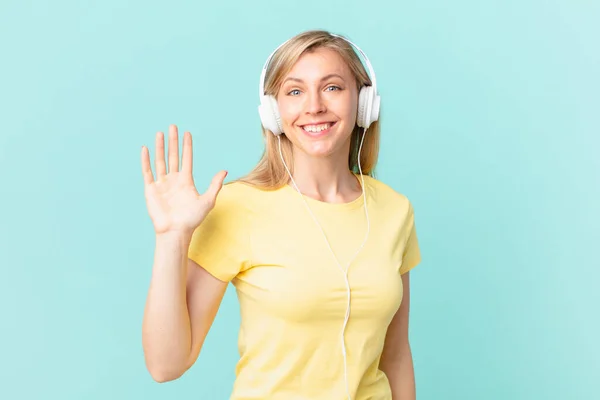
[215, 186]
[159, 159]
[187, 154]
[173, 157]
[146, 168]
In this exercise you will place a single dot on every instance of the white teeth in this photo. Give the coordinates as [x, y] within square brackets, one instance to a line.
[316, 128]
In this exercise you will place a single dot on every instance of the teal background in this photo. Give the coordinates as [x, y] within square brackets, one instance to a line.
[490, 126]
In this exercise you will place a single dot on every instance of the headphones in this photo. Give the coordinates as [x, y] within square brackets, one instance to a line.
[368, 98]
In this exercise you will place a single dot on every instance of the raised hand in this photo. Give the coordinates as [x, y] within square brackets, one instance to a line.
[173, 203]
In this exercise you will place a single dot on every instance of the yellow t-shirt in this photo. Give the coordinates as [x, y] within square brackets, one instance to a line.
[292, 293]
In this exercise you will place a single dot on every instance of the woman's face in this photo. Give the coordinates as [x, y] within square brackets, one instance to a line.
[318, 103]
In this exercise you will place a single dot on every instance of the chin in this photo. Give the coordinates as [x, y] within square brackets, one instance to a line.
[320, 148]
[318, 151]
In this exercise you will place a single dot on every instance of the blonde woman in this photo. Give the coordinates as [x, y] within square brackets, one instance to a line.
[318, 249]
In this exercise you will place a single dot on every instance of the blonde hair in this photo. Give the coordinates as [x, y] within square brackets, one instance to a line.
[269, 173]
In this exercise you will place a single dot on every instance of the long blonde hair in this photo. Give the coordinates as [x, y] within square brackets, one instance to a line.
[269, 173]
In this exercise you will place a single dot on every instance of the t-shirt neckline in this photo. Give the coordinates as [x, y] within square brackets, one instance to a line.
[355, 203]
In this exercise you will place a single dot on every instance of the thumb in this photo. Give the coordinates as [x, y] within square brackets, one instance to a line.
[215, 186]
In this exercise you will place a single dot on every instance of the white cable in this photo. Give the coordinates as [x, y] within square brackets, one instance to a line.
[345, 271]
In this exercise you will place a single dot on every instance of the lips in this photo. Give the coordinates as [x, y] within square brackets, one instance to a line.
[317, 129]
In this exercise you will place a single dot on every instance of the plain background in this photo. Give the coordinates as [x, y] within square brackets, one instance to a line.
[490, 126]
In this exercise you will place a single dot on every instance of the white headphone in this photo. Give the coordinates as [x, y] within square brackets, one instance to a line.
[368, 99]
[368, 112]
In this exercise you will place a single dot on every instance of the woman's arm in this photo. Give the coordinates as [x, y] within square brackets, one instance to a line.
[183, 298]
[396, 360]
[181, 305]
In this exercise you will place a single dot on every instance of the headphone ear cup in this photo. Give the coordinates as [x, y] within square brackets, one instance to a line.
[368, 107]
[269, 115]
[363, 103]
[375, 108]
[276, 116]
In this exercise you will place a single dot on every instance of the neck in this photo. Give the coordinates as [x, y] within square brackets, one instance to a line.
[325, 179]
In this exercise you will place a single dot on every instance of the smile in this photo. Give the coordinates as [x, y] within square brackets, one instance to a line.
[317, 130]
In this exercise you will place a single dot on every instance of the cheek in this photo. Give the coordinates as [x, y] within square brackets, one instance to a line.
[288, 110]
[353, 108]
[346, 105]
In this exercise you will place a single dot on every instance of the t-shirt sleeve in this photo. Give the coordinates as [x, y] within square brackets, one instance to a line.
[221, 243]
[411, 255]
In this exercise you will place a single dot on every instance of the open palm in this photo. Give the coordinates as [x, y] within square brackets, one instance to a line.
[173, 203]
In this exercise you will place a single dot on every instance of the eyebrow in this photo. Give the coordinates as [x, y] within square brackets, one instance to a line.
[291, 78]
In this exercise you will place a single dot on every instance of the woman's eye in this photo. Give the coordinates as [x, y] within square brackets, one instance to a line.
[296, 92]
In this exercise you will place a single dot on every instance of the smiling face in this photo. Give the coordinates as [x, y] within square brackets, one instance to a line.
[318, 102]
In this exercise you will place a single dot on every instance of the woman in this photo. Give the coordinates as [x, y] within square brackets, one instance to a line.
[319, 252]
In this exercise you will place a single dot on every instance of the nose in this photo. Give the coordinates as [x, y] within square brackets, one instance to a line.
[316, 103]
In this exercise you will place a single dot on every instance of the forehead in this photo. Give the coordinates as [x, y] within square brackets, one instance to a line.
[319, 62]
